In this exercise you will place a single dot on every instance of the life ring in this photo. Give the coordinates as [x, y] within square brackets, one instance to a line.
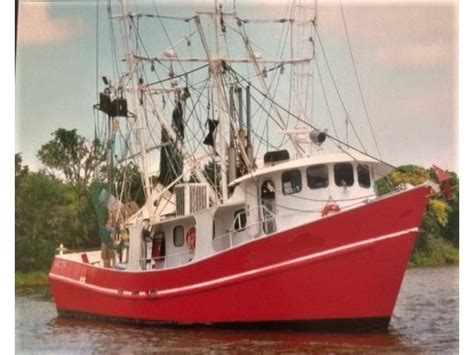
[330, 208]
[191, 238]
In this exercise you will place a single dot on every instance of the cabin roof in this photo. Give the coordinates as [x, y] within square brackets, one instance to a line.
[380, 169]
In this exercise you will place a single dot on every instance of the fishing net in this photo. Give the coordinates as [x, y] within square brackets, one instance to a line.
[100, 196]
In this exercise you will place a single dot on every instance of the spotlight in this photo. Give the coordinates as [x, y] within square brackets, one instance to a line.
[317, 137]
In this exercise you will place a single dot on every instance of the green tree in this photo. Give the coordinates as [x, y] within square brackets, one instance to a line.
[129, 179]
[36, 221]
[441, 219]
[409, 174]
[73, 155]
[49, 212]
[451, 229]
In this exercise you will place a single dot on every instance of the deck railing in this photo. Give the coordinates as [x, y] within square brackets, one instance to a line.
[228, 240]
[242, 234]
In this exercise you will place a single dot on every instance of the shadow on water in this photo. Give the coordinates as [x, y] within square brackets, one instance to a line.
[130, 338]
[425, 320]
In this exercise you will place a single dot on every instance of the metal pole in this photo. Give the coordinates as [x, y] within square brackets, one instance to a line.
[110, 153]
[249, 121]
[238, 90]
[137, 97]
[249, 148]
[232, 150]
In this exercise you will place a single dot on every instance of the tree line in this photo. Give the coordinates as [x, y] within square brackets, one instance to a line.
[54, 206]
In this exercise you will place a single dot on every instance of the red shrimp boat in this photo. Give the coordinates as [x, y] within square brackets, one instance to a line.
[300, 238]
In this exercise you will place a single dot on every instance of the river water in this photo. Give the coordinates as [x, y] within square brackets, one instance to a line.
[425, 321]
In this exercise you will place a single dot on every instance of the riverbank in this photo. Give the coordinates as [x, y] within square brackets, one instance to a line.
[31, 279]
[438, 252]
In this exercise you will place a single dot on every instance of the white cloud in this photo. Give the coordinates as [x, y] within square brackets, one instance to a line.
[37, 26]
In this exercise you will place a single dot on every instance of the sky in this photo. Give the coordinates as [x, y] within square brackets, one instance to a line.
[406, 55]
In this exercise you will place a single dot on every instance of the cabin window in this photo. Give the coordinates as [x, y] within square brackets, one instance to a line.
[317, 176]
[178, 236]
[343, 174]
[291, 182]
[363, 175]
[240, 220]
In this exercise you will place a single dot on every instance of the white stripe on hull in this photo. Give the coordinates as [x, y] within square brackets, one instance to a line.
[236, 277]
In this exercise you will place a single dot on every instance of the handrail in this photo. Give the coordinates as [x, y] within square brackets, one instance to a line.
[188, 253]
[230, 234]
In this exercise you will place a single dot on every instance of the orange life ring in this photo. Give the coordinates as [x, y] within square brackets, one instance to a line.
[191, 238]
[330, 208]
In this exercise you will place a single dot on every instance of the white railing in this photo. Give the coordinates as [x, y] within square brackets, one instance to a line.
[167, 261]
[228, 239]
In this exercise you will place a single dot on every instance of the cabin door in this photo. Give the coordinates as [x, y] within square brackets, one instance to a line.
[267, 195]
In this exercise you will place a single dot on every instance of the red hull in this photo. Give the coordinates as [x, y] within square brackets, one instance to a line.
[347, 266]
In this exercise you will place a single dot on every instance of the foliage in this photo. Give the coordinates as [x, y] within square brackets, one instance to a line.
[409, 174]
[438, 239]
[440, 210]
[440, 253]
[31, 279]
[451, 230]
[128, 177]
[72, 155]
[49, 212]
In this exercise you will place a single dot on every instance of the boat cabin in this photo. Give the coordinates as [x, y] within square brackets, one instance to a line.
[282, 195]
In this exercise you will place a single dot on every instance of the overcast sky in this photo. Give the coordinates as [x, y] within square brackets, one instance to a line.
[406, 56]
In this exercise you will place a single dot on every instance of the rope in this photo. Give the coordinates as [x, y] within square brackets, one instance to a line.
[311, 125]
[165, 17]
[337, 91]
[325, 97]
[113, 43]
[178, 76]
[97, 50]
[358, 80]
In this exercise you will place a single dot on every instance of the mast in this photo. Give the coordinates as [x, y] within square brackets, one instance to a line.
[137, 97]
[219, 67]
[110, 153]
[216, 69]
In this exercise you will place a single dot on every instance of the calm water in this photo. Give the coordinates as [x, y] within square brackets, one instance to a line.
[425, 321]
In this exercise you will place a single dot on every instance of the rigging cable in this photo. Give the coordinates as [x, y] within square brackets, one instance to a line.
[323, 90]
[313, 126]
[358, 80]
[282, 124]
[113, 44]
[262, 110]
[181, 65]
[96, 112]
[337, 89]
[178, 76]
[161, 81]
[97, 51]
